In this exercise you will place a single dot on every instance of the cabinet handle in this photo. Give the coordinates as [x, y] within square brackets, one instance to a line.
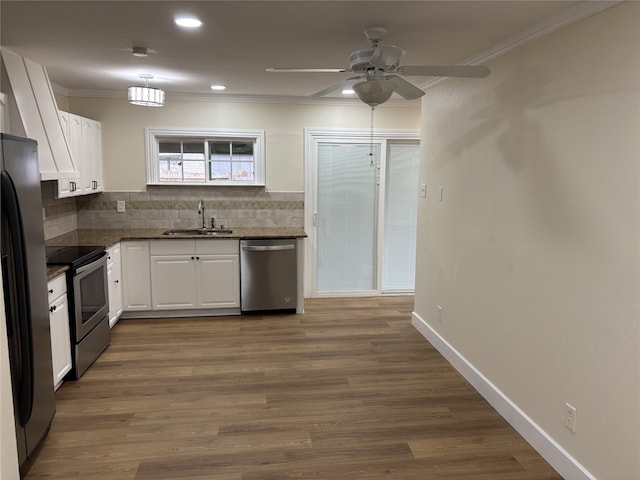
[73, 186]
[52, 309]
[51, 290]
[193, 258]
[117, 281]
[197, 258]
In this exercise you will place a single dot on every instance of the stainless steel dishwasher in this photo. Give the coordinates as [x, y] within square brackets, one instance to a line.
[268, 275]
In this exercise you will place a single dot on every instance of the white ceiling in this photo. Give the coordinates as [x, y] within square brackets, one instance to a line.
[86, 45]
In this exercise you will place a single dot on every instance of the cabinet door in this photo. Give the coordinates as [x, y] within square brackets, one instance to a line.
[136, 281]
[217, 277]
[114, 276]
[92, 154]
[60, 339]
[72, 127]
[4, 113]
[173, 282]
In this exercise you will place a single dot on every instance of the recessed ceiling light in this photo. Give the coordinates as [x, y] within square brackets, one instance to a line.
[348, 91]
[139, 51]
[187, 22]
[218, 87]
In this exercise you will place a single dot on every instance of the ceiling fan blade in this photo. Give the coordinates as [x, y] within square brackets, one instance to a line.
[405, 89]
[335, 86]
[306, 70]
[469, 71]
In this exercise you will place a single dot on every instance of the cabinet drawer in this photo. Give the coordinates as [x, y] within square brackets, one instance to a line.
[57, 287]
[172, 247]
[217, 247]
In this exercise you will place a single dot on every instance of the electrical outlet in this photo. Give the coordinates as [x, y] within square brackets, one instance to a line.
[120, 206]
[570, 413]
[439, 313]
[423, 190]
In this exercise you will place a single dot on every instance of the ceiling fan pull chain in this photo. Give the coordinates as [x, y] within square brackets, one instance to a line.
[371, 141]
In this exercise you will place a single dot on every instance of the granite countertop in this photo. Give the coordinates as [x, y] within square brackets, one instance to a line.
[54, 270]
[108, 237]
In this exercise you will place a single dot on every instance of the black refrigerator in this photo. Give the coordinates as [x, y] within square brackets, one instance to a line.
[25, 293]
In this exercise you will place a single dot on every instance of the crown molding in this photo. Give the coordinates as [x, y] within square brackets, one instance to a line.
[571, 15]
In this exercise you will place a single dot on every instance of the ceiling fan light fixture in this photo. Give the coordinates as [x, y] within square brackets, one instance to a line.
[374, 92]
[146, 96]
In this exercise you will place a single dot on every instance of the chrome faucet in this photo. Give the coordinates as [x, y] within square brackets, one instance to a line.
[201, 212]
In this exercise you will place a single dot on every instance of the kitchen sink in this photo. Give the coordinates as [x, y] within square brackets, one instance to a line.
[198, 232]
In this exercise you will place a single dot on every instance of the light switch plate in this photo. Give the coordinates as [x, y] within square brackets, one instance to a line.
[423, 190]
[120, 206]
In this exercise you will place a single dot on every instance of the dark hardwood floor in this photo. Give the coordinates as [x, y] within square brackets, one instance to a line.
[349, 390]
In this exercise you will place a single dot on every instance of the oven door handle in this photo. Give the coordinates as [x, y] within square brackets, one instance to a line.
[91, 265]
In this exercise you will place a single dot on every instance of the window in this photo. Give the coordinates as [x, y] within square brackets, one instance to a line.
[205, 157]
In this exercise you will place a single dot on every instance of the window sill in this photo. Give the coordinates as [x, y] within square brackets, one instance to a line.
[208, 184]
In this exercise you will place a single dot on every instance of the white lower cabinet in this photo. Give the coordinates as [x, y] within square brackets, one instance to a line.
[195, 274]
[136, 278]
[173, 282]
[114, 277]
[218, 281]
[59, 326]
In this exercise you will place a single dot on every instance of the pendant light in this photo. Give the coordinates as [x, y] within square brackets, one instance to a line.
[146, 96]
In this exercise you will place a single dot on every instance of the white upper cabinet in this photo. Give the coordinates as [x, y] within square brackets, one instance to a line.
[37, 114]
[92, 155]
[84, 137]
[4, 113]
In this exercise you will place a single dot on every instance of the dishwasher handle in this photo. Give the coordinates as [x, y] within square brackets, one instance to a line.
[267, 248]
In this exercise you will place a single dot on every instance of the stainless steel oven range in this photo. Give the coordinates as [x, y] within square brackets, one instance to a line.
[88, 302]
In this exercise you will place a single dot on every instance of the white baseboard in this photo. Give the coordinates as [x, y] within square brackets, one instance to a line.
[567, 466]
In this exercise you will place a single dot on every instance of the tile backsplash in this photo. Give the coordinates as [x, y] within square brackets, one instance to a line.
[173, 207]
[61, 215]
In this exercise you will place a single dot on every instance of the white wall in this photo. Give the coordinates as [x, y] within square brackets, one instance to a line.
[123, 132]
[534, 252]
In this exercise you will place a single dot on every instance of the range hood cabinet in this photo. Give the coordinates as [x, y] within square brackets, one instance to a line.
[34, 114]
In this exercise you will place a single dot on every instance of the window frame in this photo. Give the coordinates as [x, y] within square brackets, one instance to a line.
[153, 136]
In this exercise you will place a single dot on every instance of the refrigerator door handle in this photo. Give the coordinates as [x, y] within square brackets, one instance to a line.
[11, 211]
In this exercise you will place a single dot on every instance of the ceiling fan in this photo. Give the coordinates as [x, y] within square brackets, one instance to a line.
[374, 66]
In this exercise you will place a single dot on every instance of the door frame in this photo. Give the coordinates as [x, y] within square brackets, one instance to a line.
[314, 136]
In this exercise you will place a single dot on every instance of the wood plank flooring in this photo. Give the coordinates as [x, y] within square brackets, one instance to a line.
[349, 390]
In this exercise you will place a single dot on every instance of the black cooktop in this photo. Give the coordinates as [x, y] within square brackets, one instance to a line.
[74, 256]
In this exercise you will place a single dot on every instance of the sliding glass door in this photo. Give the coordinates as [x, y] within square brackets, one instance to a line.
[363, 197]
[400, 218]
[346, 213]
